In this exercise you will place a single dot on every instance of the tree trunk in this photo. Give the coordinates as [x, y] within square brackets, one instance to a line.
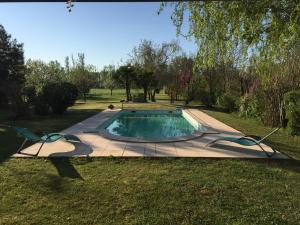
[149, 94]
[127, 91]
[210, 89]
[145, 94]
[84, 97]
[225, 77]
[242, 86]
[111, 90]
[187, 95]
[176, 95]
[153, 96]
[171, 96]
[281, 112]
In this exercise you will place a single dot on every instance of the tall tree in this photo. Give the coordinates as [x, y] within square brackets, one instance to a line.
[233, 32]
[82, 76]
[180, 78]
[219, 27]
[39, 73]
[143, 80]
[154, 58]
[108, 78]
[126, 75]
[12, 71]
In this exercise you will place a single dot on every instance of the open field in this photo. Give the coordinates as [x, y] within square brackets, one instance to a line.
[146, 191]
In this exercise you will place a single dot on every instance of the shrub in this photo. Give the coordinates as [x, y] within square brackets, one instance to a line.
[36, 99]
[30, 93]
[138, 98]
[228, 101]
[205, 97]
[40, 105]
[292, 107]
[249, 107]
[59, 96]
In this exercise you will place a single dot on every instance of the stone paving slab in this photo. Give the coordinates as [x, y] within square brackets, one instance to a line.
[150, 150]
[166, 150]
[134, 150]
[94, 145]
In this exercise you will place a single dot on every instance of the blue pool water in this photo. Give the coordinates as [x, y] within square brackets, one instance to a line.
[150, 125]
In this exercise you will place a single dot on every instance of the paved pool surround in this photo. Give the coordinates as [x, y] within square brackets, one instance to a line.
[96, 143]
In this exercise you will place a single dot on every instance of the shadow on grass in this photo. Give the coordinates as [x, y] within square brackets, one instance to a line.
[65, 168]
[287, 150]
[285, 164]
[62, 160]
[9, 141]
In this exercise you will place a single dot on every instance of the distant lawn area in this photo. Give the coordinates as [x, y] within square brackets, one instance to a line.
[146, 190]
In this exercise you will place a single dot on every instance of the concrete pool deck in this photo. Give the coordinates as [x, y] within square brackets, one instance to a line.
[95, 145]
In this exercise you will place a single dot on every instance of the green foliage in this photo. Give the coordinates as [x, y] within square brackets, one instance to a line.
[40, 77]
[154, 59]
[60, 96]
[82, 76]
[203, 92]
[41, 106]
[292, 105]
[30, 93]
[138, 97]
[223, 27]
[250, 107]
[206, 98]
[228, 101]
[251, 46]
[107, 78]
[39, 73]
[83, 80]
[126, 75]
[55, 96]
[144, 79]
[12, 72]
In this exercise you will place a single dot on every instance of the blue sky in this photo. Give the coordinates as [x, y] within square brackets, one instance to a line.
[105, 32]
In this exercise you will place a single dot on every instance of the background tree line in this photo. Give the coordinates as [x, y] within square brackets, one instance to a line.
[248, 56]
[39, 86]
[247, 60]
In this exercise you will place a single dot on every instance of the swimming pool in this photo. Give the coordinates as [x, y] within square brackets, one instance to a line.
[151, 125]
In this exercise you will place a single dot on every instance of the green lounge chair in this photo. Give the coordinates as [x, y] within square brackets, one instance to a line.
[29, 136]
[247, 141]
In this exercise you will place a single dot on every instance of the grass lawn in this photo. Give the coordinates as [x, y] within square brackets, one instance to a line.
[146, 191]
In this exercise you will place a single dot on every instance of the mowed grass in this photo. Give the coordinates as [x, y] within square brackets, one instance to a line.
[145, 190]
[149, 191]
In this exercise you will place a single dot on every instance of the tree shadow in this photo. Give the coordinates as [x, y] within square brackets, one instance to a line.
[62, 162]
[65, 168]
[9, 140]
[9, 143]
[290, 163]
[285, 164]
